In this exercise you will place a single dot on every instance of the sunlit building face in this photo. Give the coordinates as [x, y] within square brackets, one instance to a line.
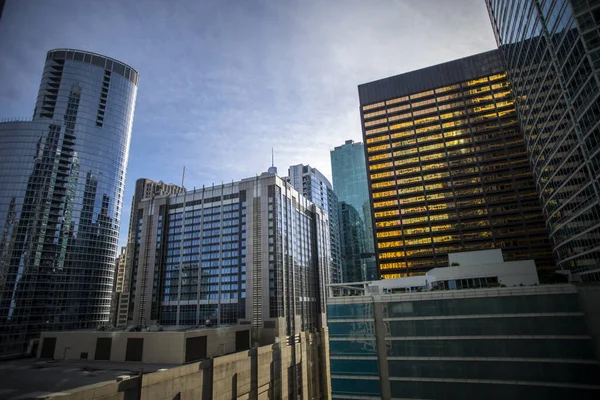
[448, 169]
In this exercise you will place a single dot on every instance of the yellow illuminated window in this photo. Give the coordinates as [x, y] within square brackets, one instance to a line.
[386, 245]
[406, 181]
[377, 148]
[382, 175]
[380, 185]
[457, 142]
[454, 114]
[376, 130]
[402, 134]
[410, 210]
[477, 81]
[454, 123]
[482, 89]
[376, 122]
[447, 88]
[399, 117]
[439, 217]
[438, 207]
[437, 175]
[422, 94]
[371, 106]
[386, 213]
[438, 228]
[457, 132]
[387, 203]
[436, 196]
[398, 100]
[502, 94]
[414, 199]
[407, 161]
[434, 186]
[412, 242]
[414, 220]
[401, 125]
[377, 139]
[388, 234]
[385, 224]
[499, 85]
[404, 143]
[422, 103]
[431, 147]
[479, 99]
[380, 166]
[416, 231]
[430, 137]
[425, 111]
[377, 195]
[392, 254]
[425, 129]
[399, 108]
[413, 189]
[487, 116]
[374, 114]
[393, 276]
[405, 152]
[407, 171]
[426, 120]
[432, 166]
[394, 265]
[479, 109]
[433, 156]
[497, 76]
[380, 157]
[505, 103]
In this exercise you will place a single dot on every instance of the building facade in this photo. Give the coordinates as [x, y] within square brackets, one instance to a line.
[551, 51]
[313, 185]
[62, 177]
[463, 335]
[350, 184]
[352, 241]
[119, 284]
[254, 252]
[144, 188]
[448, 169]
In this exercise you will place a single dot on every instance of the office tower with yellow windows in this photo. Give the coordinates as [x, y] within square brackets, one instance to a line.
[448, 170]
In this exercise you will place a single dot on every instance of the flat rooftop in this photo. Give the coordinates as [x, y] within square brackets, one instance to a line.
[31, 378]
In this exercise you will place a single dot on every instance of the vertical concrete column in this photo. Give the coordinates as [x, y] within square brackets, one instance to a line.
[380, 331]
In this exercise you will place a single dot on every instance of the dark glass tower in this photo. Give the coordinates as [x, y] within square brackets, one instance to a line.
[61, 189]
[447, 168]
[350, 185]
[551, 51]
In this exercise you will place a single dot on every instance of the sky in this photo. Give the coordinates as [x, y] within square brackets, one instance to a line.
[223, 82]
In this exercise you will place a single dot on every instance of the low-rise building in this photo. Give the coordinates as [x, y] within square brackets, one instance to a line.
[464, 332]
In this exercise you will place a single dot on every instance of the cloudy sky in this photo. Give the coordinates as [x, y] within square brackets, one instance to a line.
[221, 82]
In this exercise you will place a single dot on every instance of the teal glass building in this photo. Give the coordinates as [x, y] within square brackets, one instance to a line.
[498, 343]
[349, 173]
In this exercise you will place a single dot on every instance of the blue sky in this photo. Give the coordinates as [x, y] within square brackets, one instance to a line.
[221, 82]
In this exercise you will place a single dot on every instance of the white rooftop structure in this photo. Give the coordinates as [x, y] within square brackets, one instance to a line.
[474, 269]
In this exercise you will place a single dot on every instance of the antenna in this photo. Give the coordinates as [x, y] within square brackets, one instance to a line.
[272, 157]
[183, 176]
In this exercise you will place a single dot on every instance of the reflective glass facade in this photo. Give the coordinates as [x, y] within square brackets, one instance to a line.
[313, 185]
[530, 343]
[61, 189]
[253, 252]
[349, 173]
[552, 53]
[448, 169]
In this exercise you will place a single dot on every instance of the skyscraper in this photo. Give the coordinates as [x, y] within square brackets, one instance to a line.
[144, 188]
[551, 51]
[448, 169]
[313, 185]
[61, 189]
[349, 175]
[253, 251]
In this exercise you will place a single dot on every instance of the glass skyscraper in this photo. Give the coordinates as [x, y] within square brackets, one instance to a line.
[349, 175]
[62, 177]
[313, 185]
[551, 50]
[448, 169]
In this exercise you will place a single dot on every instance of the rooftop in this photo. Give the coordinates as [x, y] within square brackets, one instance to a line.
[32, 378]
